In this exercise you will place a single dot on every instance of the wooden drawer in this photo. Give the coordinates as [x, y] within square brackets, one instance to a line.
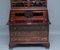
[29, 33]
[28, 16]
[29, 39]
[29, 27]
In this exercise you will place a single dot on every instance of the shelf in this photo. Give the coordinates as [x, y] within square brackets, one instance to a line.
[30, 8]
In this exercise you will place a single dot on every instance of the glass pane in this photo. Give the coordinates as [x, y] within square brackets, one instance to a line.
[19, 3]
[38, 3]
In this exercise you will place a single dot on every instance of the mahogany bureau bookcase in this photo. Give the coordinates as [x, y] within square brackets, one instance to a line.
[29, 23]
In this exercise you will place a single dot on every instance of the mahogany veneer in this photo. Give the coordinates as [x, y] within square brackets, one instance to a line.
[29, 23]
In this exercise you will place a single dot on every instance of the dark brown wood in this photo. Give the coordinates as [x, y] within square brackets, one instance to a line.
[29, 23]
[28, 3]
[33, 16]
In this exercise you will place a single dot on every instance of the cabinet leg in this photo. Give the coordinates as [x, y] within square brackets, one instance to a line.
[11, 45]
[47, 45]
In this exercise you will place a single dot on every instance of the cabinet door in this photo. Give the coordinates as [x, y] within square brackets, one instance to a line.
[28, 3]
[18, 3]
[38, 3]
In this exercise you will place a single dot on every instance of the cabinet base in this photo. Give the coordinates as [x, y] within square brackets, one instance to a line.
[12, 45]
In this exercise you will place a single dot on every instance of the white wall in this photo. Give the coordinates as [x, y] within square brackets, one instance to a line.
[54, 15]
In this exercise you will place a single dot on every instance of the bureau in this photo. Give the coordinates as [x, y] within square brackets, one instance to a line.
[29, 23]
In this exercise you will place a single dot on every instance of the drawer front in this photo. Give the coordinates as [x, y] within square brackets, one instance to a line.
[29, 33]
[29, 28]
[29, 39]
[28, 15]
[29, 36]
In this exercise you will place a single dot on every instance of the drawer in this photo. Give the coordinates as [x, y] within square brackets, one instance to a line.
[29, 27]
[29, 39]
[28, 16]
[29, 33]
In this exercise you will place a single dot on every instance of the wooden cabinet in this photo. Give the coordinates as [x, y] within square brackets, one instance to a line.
[29, 23]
